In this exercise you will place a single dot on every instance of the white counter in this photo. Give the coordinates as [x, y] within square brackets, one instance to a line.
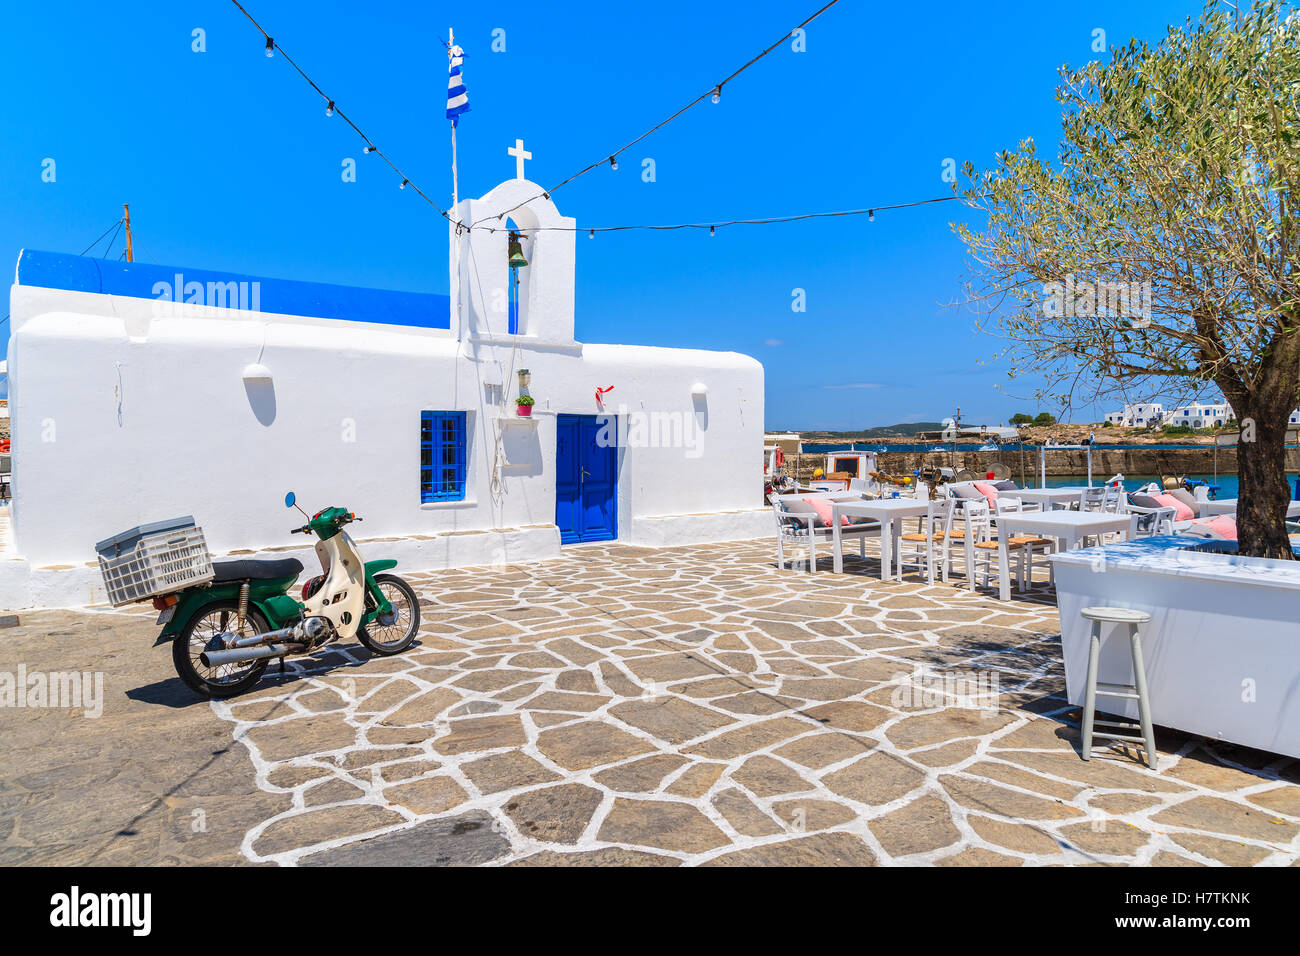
[1222, 649]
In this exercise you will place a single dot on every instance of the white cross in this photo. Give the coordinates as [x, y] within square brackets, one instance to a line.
[520, 154]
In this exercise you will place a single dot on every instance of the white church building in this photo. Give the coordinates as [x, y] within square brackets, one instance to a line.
[141, 392]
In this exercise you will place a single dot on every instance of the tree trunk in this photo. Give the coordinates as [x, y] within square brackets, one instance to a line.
[1264, 492]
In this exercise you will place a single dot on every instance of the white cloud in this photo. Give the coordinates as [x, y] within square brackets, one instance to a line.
[774, 342]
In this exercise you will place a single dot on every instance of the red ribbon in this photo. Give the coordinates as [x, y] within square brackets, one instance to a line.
[600, 392]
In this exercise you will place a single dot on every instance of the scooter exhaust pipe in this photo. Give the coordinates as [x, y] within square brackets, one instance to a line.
[239, 654]
[309, 631]
[297, 639]
[266, 637]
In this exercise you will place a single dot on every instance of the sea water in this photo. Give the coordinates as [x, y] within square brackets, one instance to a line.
[1227, 483]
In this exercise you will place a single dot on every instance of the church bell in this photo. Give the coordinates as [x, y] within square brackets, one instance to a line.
[516, 252]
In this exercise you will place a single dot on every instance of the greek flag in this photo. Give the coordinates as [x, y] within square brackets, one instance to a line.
[457, 98]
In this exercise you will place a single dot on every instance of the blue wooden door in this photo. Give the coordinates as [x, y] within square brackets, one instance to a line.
[586, 480]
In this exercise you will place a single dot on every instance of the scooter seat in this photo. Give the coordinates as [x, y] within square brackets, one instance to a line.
[256, 569]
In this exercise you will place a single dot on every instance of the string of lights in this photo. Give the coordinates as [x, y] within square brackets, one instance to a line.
[869, 212]
[714, 92]
[332, 109]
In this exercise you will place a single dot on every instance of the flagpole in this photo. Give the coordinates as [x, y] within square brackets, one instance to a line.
[455, 200]
[455, 185]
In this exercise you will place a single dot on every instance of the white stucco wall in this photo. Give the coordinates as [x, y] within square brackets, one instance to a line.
[125, 412]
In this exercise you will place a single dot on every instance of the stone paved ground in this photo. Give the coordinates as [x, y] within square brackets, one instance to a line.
[628, 706]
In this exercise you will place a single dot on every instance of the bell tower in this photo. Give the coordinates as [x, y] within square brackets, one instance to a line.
[482, 256]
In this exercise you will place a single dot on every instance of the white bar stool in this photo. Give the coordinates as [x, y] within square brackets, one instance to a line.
[1135, 691]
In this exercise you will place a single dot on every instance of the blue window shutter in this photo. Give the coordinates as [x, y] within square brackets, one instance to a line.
[442, 456]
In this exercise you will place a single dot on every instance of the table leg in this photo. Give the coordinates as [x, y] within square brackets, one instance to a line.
[1004, 585]
[898, 548]
[886, 541]
[837, 551]
[970, 557]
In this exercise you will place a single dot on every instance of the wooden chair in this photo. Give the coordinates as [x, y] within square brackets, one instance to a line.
[975, 540]
[1024, 544]
[927, 547]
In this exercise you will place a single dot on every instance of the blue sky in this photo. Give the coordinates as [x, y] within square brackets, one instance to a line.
[229, 162]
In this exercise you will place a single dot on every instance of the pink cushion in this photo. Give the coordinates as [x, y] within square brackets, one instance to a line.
[989, 492]
[823, 508]
[1181, 511]
[1225, 526]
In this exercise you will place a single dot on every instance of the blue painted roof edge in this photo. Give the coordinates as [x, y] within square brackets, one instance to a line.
[56, 270]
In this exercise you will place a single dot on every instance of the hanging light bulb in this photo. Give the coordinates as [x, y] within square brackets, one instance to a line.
[371, 149]
[711, 231]
[591, 234]
[404, 182]
[871, 215]
[270, 47]
[329, 110]
[613, 164]
[717, 94]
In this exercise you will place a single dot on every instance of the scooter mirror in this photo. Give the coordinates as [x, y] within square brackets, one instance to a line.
[290, 500]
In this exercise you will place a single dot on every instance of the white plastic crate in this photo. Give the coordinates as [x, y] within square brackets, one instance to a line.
[154, 559]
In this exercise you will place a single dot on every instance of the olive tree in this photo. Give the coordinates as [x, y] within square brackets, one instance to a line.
[1159, 252]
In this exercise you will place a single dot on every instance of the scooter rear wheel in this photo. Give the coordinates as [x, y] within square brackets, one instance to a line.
[208, 622]
[385, 637]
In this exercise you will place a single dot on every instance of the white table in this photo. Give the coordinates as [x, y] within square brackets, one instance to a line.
[1228, 506]
[885, 510]
[1067, 527]
[1049, 497]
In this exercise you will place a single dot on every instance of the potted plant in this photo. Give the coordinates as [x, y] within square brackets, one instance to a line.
[524, 406]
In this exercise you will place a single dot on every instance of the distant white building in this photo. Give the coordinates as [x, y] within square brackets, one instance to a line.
[1200, 415]
[1138, 416]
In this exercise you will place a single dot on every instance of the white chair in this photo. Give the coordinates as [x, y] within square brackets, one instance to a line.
[1092, 499]
[1113, 501]
[797, 523]
[1025, 544]
[927, 547]
[1152, 521]
[976, 542]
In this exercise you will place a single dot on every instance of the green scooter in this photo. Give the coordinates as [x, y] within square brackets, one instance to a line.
[225, 633]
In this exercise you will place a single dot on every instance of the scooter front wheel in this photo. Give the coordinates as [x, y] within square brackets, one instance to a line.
[203, 633]
[395, 632]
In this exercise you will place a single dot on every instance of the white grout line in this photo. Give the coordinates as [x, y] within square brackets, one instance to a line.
[612, 611]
